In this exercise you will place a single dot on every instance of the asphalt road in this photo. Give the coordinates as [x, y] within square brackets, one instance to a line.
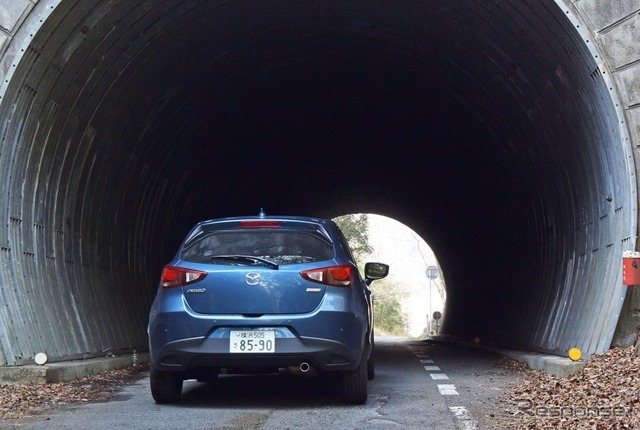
[418, 385]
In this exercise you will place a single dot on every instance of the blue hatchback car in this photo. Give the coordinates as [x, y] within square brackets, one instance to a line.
[260, 294]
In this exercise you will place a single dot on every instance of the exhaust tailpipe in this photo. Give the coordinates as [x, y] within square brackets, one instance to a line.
[305, 367]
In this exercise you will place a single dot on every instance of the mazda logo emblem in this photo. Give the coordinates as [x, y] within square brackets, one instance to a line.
[252, 278]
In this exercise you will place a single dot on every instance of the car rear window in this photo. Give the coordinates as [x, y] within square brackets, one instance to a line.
[280, 245]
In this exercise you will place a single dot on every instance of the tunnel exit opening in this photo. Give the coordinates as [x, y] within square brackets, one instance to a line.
[405, 302]
[492, 130]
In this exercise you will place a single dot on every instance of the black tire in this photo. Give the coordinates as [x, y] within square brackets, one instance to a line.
[166, 387]
[354, 384]
[371, 368]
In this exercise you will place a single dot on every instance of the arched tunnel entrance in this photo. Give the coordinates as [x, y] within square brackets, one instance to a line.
[493, 129]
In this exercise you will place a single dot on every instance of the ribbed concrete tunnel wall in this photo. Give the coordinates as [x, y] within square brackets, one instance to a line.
[502, 132]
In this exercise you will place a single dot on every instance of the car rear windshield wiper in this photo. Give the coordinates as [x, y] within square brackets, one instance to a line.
[247, 258]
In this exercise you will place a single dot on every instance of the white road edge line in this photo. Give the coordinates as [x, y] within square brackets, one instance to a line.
[438, 376]
[447, 390]
[463, 417]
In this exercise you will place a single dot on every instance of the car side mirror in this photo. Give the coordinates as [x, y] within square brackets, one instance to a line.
[375, 271]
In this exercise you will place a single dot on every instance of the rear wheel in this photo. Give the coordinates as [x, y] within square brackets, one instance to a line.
[354, 383]
[166, 387]
[371, 371]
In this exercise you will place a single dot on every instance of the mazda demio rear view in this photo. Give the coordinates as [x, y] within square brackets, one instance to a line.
[263, 294]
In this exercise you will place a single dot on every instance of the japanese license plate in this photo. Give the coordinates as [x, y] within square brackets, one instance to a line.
[252, 341]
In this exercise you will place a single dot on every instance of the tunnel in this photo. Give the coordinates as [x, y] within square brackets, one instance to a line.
[495, 130]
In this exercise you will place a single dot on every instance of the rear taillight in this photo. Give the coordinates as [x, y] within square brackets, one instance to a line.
[337, 276]
[173, 277]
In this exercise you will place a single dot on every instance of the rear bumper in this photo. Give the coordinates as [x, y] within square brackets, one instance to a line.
[196, 353]
[328, 338]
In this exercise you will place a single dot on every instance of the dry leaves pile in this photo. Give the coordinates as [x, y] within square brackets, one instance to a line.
[26, 400]
[603, 395]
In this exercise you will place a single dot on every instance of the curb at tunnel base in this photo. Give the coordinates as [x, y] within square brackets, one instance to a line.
[65, 371]
[553, 364]
[70, 370]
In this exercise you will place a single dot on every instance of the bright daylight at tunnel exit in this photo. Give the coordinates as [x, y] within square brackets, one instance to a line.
[405, 302]
[502, 134]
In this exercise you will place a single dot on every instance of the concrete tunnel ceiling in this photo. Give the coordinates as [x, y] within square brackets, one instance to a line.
[490, 128]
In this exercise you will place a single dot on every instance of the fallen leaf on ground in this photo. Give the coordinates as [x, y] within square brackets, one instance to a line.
[28, 400]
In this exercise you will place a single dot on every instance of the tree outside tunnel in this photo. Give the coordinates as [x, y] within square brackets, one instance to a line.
[504, 133]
